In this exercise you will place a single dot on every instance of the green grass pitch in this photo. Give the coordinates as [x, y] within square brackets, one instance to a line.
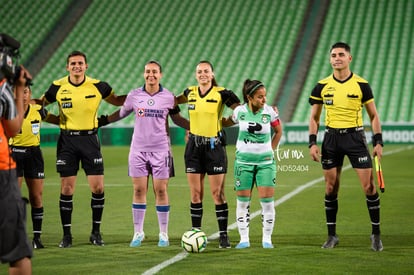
[298, 235]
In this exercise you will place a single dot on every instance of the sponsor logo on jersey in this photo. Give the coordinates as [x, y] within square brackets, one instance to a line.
[328, 102]
[67, 105]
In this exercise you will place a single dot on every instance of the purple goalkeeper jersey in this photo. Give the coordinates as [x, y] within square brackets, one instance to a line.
[151, 111]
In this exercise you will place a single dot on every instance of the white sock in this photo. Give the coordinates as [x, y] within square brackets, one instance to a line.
[268, 220]
[243, 219]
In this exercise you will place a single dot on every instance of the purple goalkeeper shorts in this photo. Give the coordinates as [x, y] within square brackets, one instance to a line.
[143, 164]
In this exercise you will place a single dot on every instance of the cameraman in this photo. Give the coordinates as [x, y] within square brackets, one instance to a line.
[15, 247]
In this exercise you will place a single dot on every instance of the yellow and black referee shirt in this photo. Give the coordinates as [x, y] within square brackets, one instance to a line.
[343, 100]
[205, 111]
[78, 104]
[30, 133]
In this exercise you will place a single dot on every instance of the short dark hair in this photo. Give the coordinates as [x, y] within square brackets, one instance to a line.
[154, 62]
[76, 53]
[341, 45]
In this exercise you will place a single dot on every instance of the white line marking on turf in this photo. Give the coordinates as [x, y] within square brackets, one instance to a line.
[183, 255]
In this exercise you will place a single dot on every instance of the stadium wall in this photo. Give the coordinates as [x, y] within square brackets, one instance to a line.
[292, 134]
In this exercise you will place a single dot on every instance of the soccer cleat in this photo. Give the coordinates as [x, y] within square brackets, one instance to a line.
[331, 242]
[242, 245]
[267, 245]
[376, 242]
[163, 241]
[224, 241]
[37, 243]
[96, 239]
[66, 241]
[137, 239]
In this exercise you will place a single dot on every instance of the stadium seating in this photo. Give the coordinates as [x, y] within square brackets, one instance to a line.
[243, 39]
[30, 21]
[380, 34]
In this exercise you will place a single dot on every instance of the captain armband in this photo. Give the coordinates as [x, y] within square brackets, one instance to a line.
[312, 140]
[275, 123]
[377, 139]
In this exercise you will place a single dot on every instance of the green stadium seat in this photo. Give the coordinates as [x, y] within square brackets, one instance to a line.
[380, 33]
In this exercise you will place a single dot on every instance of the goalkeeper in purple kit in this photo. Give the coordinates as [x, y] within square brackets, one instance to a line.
[150, 151]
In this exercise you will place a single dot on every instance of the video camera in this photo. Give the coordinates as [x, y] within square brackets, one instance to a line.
[9, 55]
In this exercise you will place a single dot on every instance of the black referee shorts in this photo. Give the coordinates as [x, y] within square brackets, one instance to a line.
[29, 160]
[205, 155]
[338, 143]
[72, 149]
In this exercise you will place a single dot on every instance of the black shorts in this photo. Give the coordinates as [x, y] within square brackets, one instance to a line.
[14, 244]
[29, 160]
[72, 149]
[346, 142]
[205, 155]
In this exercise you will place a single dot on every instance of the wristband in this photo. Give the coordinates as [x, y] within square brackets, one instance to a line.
[377, 139]
[312, 140]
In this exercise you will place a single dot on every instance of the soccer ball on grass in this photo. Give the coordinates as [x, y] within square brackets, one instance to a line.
[194, 241]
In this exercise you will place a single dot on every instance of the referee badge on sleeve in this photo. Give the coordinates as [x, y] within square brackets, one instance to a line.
[35, 127]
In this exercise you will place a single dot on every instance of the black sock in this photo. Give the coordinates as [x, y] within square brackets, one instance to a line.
[37, 219]
[373, 204]
[222, 214]
[97, 205]
[196, 211]
[331, 209]
[66, 207]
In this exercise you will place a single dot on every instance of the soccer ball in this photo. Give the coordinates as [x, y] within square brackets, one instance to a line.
[194, 241]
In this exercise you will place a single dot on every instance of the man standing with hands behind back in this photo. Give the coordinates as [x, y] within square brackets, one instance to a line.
[78, 97]
[344, 94]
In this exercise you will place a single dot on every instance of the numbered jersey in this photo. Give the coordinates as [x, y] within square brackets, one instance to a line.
[254, 142]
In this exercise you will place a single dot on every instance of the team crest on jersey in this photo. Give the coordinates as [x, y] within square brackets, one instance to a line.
[140, 112]
[265, 119]
[150, 102]
[35, 128]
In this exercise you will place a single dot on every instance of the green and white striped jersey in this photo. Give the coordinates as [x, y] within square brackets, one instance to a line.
[254, 139]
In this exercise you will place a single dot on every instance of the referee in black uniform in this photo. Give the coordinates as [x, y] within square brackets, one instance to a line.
[78, 97]
[344, 94]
